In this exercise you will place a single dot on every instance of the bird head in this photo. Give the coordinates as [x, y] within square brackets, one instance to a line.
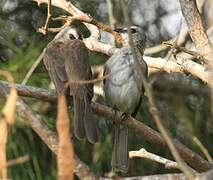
[67, 34]
[138, 36]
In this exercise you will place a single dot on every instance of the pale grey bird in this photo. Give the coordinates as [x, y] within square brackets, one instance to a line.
[67, 59]
[124, 90]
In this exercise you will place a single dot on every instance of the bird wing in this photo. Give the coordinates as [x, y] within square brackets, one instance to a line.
[105, 73]
[78, 68]
[144, 68]
[80, 62]
[54, 63]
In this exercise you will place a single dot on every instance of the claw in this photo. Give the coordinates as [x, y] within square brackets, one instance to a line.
[125, 116]
[115, 109]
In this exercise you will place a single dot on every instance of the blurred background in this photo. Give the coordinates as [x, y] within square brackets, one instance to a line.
[184, 101]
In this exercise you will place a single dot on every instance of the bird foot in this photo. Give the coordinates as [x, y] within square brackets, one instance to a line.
[125, 116]
[115, 109]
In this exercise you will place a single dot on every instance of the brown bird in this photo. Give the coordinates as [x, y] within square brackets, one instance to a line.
[67, 60]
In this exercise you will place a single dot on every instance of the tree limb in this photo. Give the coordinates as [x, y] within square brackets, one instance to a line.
[94, 44]
[182, 65]
[49, 137]
[143, 153]
[196, 29]
[193, 159]
[70, 8]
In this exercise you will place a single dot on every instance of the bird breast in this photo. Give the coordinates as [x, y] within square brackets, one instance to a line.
[123, 88]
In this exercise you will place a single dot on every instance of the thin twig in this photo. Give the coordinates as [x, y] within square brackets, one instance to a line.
[159, 48]
[33, 67]
[143, 153]
[49, 15]
[172, 53]
[112, 20]
[179, 48]
[92, 81]
[18, 160]
[203, 149]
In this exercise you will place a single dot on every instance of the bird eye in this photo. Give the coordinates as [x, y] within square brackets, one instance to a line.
[119, 30]
[71, 36]
[133, 31]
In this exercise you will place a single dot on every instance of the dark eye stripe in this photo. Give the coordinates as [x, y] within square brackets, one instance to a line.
[124, 30]
[71, 37]
[119, 30]
[133, 31]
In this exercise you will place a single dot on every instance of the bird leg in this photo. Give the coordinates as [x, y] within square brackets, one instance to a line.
[125, 116]
[115, 109]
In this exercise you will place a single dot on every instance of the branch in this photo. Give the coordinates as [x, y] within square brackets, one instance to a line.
[29, 91]
[196, 30]
[182, 65]
[97, 46]
[180, 48]
[177, 85]
[94, 44]
[203, 176]
[90, 20]
[71, 9]
[159, 177]
[143, 153]
[33, 67]
[49, 137]
[65, 155]
[19, 160]
[91, 23]
[112, 20]
[203, 149]
[49, 15]
[196, 161]
[7, 118]
[180, 39]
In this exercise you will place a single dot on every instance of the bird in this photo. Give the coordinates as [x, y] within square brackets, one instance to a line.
[124, 90]
[67, 60]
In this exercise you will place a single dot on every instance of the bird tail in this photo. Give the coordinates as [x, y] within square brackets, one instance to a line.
[79, 107]
[89, 123]
[120, 153]
[84, 124]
